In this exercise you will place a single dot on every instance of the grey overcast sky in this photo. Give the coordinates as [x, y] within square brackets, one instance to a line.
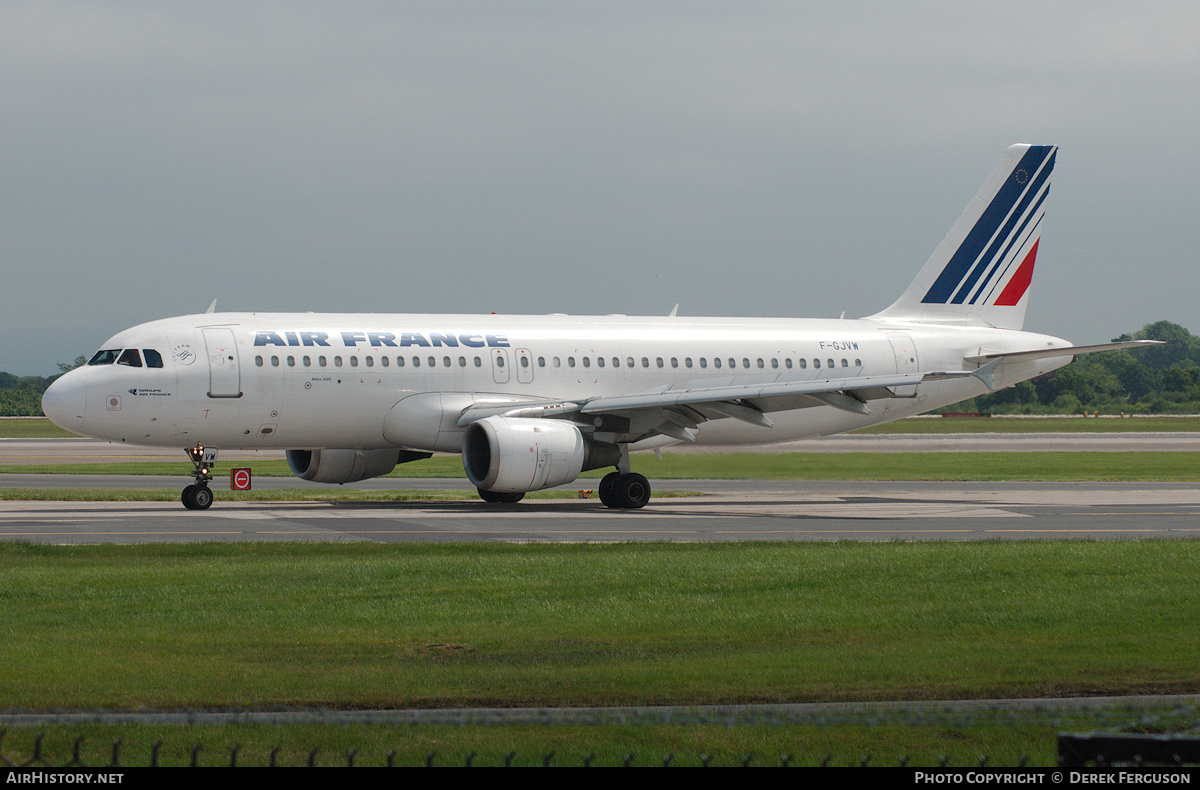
[739, 158]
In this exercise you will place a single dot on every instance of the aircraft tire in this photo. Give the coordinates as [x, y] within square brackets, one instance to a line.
[632, 491]
[607, 488]
[187, 497]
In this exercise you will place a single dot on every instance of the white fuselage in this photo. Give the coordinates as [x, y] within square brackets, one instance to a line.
[310, 381]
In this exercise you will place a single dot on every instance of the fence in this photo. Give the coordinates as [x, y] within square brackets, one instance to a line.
[1090, 733]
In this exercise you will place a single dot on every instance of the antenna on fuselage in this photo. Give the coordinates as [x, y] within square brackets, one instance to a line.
[212, 308]
[674, 311]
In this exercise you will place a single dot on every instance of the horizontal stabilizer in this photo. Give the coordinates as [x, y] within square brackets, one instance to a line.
[1061, 351]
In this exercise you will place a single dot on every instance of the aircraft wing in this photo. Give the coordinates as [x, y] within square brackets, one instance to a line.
[729, 393]
[677, 410]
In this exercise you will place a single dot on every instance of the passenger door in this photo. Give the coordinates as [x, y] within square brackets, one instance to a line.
[224, 372]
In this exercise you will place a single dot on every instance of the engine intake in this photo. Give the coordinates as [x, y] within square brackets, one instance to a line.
[515, 454]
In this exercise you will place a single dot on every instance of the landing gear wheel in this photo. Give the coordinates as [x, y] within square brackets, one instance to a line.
[632, 490]
[196, 497]
[202, 497]
[607, 486]
[501, 497]
[628, 491]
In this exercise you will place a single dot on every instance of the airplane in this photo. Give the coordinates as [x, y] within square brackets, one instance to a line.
[533, 401]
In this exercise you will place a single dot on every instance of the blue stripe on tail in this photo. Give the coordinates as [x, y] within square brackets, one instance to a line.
[1010, 207]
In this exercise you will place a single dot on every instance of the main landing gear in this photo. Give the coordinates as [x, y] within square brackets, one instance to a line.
[198, 496]
[624, 490]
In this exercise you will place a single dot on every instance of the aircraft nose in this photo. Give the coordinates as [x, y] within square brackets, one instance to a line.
[64, 402]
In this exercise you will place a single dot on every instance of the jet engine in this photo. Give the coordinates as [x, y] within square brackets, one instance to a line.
[341, 466]
[517, 454]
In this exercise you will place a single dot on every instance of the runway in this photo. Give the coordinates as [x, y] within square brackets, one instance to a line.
[728, 511]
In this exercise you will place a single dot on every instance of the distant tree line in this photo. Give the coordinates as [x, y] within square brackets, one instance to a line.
[21, 396]
[1157, 380]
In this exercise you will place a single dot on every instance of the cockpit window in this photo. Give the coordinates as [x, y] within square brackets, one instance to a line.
[153, 358]
[106, 357]
[131, 358]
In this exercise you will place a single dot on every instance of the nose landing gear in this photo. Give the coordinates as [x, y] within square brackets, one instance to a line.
[198, 496]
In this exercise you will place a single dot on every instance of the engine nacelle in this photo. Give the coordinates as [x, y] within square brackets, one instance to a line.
[516, 454]
[341, 466]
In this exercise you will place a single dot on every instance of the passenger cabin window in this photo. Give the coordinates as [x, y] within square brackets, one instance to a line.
[130, 357]
[106, 357]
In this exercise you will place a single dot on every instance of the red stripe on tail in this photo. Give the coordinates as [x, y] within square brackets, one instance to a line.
[1019, 283]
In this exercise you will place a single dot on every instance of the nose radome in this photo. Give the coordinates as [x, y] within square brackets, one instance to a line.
[64, 402]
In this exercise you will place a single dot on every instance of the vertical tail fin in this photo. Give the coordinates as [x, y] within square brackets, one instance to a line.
[981, 271]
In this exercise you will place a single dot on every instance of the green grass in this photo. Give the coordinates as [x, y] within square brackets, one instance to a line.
[1097, 466]
[386, 626]
[31, 428]
[368, 626]
[716, 745]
